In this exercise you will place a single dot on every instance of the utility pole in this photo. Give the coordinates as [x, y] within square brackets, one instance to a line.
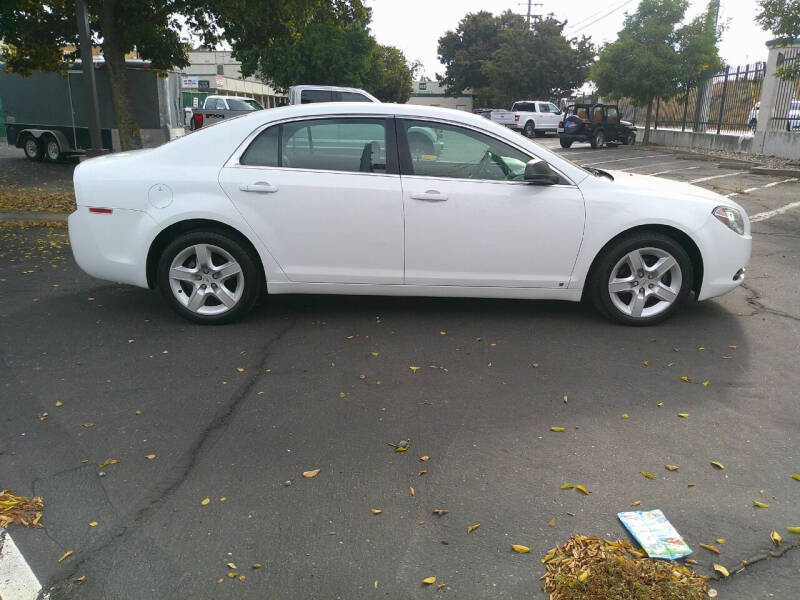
[530, 14]
[87, 64]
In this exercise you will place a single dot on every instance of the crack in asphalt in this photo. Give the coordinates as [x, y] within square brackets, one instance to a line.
[63, 582]
[754, 300]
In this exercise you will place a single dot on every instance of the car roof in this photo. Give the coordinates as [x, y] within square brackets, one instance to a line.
[233, 97]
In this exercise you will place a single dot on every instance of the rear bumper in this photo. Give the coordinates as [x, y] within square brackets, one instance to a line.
[112, 246]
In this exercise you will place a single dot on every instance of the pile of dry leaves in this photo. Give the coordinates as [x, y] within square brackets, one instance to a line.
[591, 567]
[18, 509]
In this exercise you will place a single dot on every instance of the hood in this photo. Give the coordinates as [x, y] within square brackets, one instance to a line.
[627, 124]
[668, 188]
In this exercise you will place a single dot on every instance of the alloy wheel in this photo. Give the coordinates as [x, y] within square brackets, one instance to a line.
[206, 279]
[645, 282]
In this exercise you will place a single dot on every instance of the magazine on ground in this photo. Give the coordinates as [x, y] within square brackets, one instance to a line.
[655, 534]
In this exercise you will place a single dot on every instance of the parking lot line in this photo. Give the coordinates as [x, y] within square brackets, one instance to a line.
[17, 581]
[673, 170]
[647, 166]
[602, 162]
[763, 216]
[717, 176]
[753, 189]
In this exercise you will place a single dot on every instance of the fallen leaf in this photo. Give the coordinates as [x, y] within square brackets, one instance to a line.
[710, 547]
[472, 528]
[712, 593]
[567, 486]
[686, 379]
[683, 415]
[231, 565]
[149, 456]
[424, 458]
[557, 429]
[566, 399]
[584, 575]
[520, 549]
[240, 369]
[440, 511]
[690, 561]
[776, 537]
[374, 353]
[42, 416]
[721, 540]
[242, 577]
[552, 522]
[232, 575]
[701, 348]
[414, 370]
[760, 504]
[671, 467]
[548, 557]
[624, 416]
[375, 585]
[92, 523]
[793, 529]
[137, 412]
[412, 490]
[727, 356]
[107, 462]
[429, 580]
[59, 403]
[648, 474]
[310, 474]
[400, 448]
[796, 476]
[733, 346]
[706, 383]
[721, 570]
[442, 332]
[376, 511]
[645, 363]
[637, 503]
[220, 580]
[88, 425]
[422, 472]
[65, 556]
[342, 394]
[582, 489]
[671, 363]
[80, 579]
[660, 404]
[223, 498]
[440, 586]
[205, 501]
[717, 464]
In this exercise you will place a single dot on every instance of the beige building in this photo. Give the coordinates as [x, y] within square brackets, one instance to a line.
[428, 92]
[217, 72]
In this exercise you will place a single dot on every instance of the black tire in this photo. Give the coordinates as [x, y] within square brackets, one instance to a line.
[252, 276]
[529, 130]
[33, 148]
[598, 139]
[52, 149]
[598, 281]
[565, 143]
[629, 139]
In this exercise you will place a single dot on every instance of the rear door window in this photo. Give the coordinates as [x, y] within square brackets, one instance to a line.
[351, 97]
[311, 96]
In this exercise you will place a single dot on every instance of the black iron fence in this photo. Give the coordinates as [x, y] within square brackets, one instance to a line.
[786, 115]
[726, 102]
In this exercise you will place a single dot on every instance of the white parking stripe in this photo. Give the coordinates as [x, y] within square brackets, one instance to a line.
[769, 185]
[774, 183]
[17, 581]
[773, 213]
[646, 166]
[602, 162]
[673, 170]
[716, 176]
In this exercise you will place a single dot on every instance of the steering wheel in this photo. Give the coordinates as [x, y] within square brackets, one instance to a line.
[484, 162]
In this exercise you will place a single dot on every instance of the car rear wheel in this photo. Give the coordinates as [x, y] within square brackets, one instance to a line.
[598, 140]
[529, 130]
[641, 279]
[32, 148]
[629, 139]
[565, 144]
[209, 277]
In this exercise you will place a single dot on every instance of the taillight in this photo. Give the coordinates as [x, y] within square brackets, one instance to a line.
[197, 119]
[100, 211]
[561, 124]
[516, 117]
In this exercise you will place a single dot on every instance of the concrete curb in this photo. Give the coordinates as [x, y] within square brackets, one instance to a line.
[32, 216]
[781, 172]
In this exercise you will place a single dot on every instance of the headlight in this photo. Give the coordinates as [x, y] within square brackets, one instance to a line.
[730, 217]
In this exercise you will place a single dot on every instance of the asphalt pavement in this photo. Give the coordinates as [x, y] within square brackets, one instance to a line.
[232, 414]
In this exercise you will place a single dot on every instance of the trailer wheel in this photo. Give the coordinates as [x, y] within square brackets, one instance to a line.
[32, 148]
[52, 149]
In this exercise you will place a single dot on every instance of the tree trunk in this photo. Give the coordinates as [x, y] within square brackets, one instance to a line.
[646, 139]
[129, 138]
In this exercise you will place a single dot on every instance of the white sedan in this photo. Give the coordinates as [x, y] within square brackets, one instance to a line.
[395, 200]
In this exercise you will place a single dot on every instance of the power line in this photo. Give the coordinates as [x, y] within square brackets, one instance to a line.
[613, 10]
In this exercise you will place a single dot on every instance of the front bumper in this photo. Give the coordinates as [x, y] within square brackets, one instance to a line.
[725, 256]
[573, 137]
[112, 246]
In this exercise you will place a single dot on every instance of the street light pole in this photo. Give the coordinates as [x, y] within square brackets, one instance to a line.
[87, 64]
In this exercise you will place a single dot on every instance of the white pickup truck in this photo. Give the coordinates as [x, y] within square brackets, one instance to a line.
[529, 117]
[217, 108]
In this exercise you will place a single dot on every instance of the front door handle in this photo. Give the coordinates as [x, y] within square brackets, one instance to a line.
[430, 196]
[261, 187]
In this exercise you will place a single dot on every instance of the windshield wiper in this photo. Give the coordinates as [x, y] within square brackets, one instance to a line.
[599, 172]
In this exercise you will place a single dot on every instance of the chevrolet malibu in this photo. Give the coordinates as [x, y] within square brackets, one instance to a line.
[396, 200]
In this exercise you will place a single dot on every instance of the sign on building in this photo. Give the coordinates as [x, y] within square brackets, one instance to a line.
[189, 82]
[220, 82]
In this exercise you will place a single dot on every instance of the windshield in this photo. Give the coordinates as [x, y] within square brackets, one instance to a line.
[238, 104]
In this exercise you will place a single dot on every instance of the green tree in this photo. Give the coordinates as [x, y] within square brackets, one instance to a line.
[782, 18]
[394, 76]
[653, 56]
[502, 59]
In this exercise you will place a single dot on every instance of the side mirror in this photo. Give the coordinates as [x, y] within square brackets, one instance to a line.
[539, 172]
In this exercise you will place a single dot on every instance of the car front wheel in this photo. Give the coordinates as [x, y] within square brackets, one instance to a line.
[209, 277]
[642, 279]
[630, 139]
[598, 140]
[530, 129]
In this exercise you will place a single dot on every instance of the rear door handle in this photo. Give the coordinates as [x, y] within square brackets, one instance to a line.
[261, 187]
[430, 196]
